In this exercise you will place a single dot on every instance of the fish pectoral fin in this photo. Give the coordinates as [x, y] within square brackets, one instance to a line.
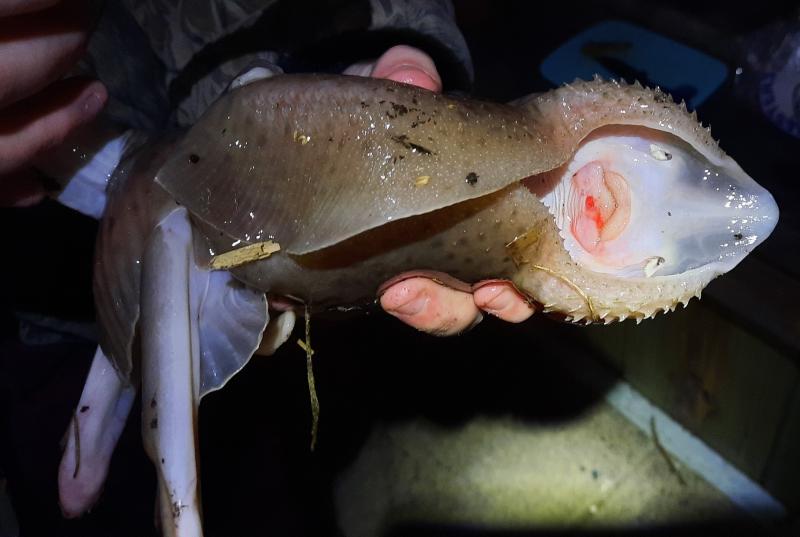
[232, 318]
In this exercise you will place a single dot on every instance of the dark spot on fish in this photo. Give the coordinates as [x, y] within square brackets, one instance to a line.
[154, 423]
[414, 100]
[364, 105]
[738, 236]
[224, 130]
[194, 159]
[84, 408]
[462, 241]
[467, 260]
[330, 138]
[669, 213]
[400, 109]
[595, 474]
[153, 403]
[381, 101]
[450, 256]
[403, 140]
[506, 259]
[162, 460]
[472, 178]
[390, 89]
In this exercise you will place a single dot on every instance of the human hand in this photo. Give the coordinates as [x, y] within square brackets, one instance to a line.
[419, 301]
[42, 40]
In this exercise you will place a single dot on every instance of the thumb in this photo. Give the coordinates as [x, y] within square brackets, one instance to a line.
[410, 66]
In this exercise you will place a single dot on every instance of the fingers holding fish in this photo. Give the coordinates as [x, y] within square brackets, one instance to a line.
[501, 299]
[42, 40]
[44, 120]
[420, 302]
[431, 307]
[39, 47]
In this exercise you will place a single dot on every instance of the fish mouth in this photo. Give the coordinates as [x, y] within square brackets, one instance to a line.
[637, 202]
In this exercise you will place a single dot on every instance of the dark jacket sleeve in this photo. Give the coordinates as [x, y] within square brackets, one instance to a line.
[178, 56]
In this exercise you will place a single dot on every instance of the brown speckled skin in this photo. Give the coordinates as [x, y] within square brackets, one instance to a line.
[313, 160]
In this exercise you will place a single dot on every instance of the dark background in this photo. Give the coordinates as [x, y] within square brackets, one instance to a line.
[257, 473]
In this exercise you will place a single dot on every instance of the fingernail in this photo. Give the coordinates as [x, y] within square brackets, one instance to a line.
[412, 307]
[93, 104]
